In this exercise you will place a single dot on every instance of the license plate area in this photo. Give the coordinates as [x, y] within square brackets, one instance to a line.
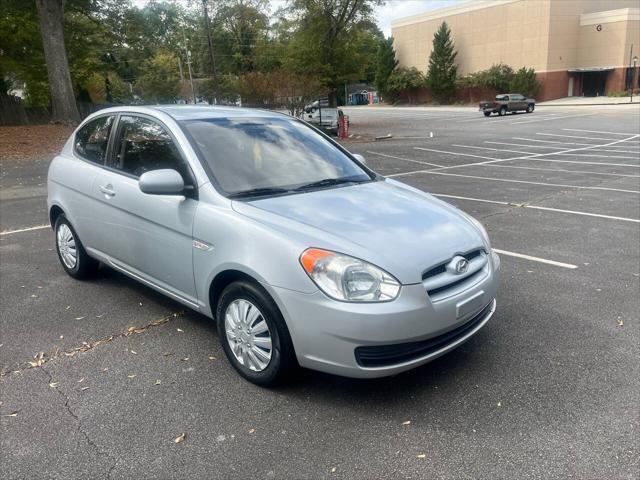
[471, 305]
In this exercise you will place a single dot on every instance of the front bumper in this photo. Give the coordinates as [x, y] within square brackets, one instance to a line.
[327, 334]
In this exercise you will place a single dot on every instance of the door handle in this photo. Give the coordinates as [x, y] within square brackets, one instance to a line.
[107, 190]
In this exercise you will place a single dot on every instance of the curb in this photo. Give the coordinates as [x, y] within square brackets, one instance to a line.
[585, 104]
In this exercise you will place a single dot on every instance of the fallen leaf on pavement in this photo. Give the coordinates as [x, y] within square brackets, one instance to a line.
[499, 404]
[12, 414]
[54, 384]
[134, 352]
[333, 469]
[184, 359]
[158, 382]
[422, 455]
[211, 357]
[133, 375]
[179, 330]
[80, 318]
[620, 322]
[105, 369]
[166, 354]
[180, 438]
[81, 380]
[252, 430]
[408, 422]
[84, 388]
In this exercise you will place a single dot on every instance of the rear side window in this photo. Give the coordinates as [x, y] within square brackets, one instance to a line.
[92, 139]
[143, 145]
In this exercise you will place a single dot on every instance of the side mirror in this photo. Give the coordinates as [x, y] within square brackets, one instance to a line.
[161, 182]
[360, 158]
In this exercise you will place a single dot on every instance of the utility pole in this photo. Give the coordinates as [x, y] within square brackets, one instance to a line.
[210, 43]
[188, 52]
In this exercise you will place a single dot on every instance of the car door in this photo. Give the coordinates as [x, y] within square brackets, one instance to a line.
[520, 103]
[147, 236]
[77, 173]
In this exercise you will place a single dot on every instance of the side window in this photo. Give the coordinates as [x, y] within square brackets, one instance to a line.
[91, 140]
[143, 145]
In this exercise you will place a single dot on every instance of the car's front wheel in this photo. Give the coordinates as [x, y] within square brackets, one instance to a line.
[503, 111]
[72, 255]
[254, 335]
[530, 108]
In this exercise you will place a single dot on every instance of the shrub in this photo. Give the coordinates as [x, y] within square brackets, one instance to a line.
[525, 82]
[497, 77]
[404, 80]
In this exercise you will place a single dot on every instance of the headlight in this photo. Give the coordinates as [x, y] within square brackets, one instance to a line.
[481, 229]
[348, 279]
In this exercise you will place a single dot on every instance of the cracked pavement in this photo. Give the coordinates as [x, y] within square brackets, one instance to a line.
[548, 389]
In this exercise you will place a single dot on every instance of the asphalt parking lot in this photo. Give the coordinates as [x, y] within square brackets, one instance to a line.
[100, 377]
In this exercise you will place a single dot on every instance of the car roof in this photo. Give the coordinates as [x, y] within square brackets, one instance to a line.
[193, 112]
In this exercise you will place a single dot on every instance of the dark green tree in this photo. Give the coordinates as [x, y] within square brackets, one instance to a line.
[385, 64]
[442, 71]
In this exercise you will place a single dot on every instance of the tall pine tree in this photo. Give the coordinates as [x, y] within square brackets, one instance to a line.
[385, 64]
[442, 71]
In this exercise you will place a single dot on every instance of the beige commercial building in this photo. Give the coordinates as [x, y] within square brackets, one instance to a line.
[577, 47]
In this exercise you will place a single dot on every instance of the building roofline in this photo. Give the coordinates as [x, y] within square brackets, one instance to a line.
[464, 7]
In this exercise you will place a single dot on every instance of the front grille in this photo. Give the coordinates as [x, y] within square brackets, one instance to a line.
[443, 267]
[388, 355]
[471, 279]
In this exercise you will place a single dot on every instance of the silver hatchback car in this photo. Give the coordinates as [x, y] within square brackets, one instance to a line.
[300, 252]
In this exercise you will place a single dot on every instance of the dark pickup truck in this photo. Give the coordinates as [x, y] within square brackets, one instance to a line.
[512, 102]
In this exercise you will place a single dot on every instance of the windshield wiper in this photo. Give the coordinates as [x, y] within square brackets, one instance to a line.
[327, 182]
[257, 192]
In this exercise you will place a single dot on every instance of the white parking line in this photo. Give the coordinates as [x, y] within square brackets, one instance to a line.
[586, 138]
[549, 119]
[431, 172]
[574, 143]
[550, 141]
[554, 153]
[596, 131]
[454, 153]
[562, 148]
[521, 145]
[560, 170]
[537, 207]
[405, 159]
[533, 157]
[28, 229]
[535, 259]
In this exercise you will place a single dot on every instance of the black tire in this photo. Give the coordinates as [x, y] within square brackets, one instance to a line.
[503, 111]
[283, 359]
[486, 114]
[530, 108]
[84, 266]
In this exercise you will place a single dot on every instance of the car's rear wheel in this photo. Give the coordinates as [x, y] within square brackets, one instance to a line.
[486, 114]
[503, 111]
[71, 253]
[254, 335]
[530, 108]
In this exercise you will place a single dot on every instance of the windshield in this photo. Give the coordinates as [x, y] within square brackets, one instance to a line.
[255, 156]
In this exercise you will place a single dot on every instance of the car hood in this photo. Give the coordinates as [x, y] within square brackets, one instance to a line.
[396, 227]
